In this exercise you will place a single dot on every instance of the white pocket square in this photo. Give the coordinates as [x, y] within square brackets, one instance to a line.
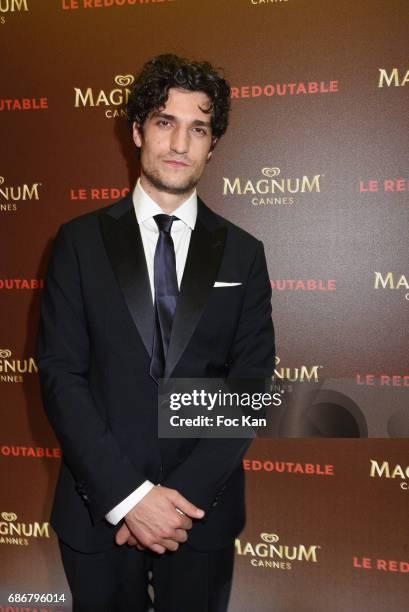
[221, 284]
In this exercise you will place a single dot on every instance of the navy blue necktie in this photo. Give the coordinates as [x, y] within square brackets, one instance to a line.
[166, 293]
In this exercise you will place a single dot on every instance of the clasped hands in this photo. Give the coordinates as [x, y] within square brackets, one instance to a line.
[160, 521]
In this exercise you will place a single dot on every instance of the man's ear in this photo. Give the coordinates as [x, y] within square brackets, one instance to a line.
[136, 134]
[212, 146]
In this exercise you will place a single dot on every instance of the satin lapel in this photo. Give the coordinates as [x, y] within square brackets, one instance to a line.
[123, 243]
[202, 264]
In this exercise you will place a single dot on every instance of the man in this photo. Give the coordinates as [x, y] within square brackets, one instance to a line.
[154, 286]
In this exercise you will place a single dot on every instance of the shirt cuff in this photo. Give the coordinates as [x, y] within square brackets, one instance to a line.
[118, 513]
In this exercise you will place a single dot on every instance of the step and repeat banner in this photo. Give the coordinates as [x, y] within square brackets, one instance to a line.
[315, 164]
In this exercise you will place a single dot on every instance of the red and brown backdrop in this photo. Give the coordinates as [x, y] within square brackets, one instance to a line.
[315, 165]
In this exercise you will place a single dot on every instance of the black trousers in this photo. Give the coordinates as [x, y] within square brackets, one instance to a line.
[117, 580]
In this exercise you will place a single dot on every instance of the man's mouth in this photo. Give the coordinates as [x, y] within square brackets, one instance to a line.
[175, 163]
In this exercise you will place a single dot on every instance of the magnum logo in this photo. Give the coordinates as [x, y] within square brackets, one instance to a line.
[11, 6]
[11, 370]
[300, 373]
[10, 195]
[14, 532]
[393, 78]
[385, 470]
[389, 281]
[272, 189]
[116, 97]
[269, 553]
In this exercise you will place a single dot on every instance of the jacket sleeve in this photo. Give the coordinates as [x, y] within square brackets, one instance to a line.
[104, 476]
[200, 477]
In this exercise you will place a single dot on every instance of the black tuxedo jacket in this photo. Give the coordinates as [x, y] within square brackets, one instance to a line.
[93, 351]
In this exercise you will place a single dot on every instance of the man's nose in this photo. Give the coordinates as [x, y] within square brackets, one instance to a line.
[180, 140]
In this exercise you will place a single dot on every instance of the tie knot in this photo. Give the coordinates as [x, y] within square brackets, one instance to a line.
[164, 222]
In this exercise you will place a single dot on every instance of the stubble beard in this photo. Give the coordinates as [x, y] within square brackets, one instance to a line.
[153, 176]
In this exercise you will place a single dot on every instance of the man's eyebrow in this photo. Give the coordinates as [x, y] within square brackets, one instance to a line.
[163, 115]
[200, 122]
[173, 118]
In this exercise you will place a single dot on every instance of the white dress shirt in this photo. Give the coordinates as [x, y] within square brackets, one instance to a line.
[145, 209]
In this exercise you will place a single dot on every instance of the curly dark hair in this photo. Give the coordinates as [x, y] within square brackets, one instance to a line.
[151, 89]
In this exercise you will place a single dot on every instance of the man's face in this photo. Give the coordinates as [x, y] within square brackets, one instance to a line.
[175, 142]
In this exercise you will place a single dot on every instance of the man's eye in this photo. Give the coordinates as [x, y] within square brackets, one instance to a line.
[200, 131]
[163, 122]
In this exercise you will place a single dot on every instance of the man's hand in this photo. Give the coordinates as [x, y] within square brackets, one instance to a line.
[160, 521]
[124, 536]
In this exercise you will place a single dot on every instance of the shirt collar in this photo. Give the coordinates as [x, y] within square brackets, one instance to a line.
[146, 208]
